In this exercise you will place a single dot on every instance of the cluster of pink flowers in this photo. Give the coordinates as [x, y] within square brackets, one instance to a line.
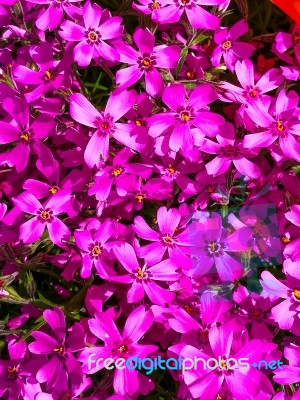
[155, 215]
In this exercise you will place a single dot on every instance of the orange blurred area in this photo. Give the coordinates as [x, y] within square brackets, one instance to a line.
[290, 7]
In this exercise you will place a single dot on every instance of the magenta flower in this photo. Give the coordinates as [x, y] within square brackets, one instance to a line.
[204, 186]
[136, 192]
[59, 348]
[98, 28]
[117, 345]
[145, 62]
[290, 373]
[167, 239]
[27, 132]
[172, 10]
[185, 114]
[251, 91]
[45, 217]
[286, 313]
[15, 371]
[243, 382]
[229, 48]
[105, 122]
[115, 175]
[95, 250]
[53, 15]
[147, 7]
[142, 277]
[229, 150]
[282, 125]
[52, 75]
[211, 245]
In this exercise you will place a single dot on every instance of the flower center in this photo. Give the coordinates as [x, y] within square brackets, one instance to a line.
[296, 293]
[227, 45]
[140, 197]
[139, 122]
[210, 188]
[155, 5]
[280, 126]
[189, 309]
[185, 116]
[253, 93]
[214, 248]
[190, 75]
[285, 239]
[60, 350]
[53, 189]
[168, 240]
[123, 348]
[219, 397]
[171, 169]
[49, 74]
[26, 135]
[117, 171]
[92, 36]
[230, 151]
[45, 215]
[146, 62]
[105, 125]
[96, 251]
[255, 313]
[68, 396]
[12, 373]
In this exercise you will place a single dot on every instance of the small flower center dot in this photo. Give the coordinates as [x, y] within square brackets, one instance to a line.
[59, 350]
[140, 197]
[123, 349]
[155, 5]
[227, 45]
[12, 373]
[280, 126]
[190, 75]
[117, 171]
[53, 189]
[96, 251]
[146, 62]
[185, 116]
[285, 239]
[171, 169]
[296, 293]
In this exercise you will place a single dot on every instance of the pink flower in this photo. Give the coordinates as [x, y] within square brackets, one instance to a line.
[186, 114]
[27, 132]
[167, 239]
[230, 49]
[99, 27]
[105, 123]
[145, 62]
[172, 10]
[283, 124]
[45, 217]
[142, 277]
[229, 150]
[59, 348]
[117, 345]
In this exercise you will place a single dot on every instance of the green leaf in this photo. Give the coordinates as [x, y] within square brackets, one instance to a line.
[200, 38]
[183, 54]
